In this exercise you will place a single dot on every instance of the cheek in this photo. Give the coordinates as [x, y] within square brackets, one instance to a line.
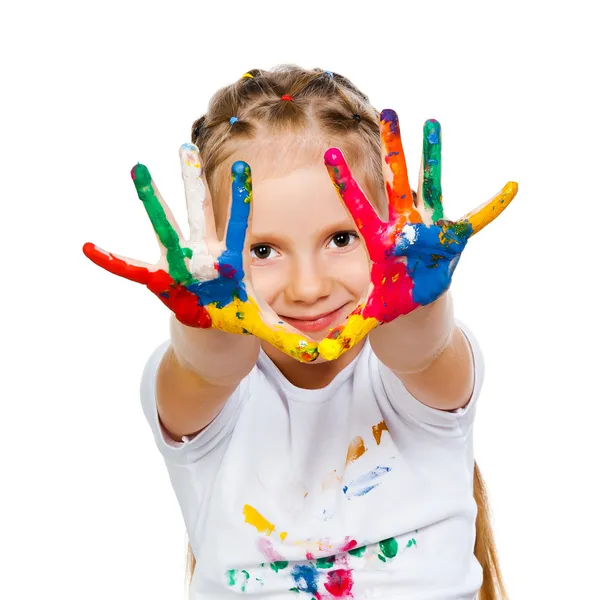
[354, 271]
[266, 282]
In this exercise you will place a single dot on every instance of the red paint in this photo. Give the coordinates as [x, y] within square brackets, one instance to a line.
[339, 583]
[349, 545]
[287, 97]
[225, 270]
[178, 298]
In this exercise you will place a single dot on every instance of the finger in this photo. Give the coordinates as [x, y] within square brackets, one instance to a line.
[199, 208]
[430, 179]
[200, 214]
[232, 257]
[164, 224]
[483, 215]
[365, 216]
[134, 270]
[399, 192]
[175, 296]
[347, 335]
[246, 317]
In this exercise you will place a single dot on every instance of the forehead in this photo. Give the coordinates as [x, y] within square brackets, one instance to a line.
[290, 163]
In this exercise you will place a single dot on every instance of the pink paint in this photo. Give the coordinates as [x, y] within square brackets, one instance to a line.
[266, 548]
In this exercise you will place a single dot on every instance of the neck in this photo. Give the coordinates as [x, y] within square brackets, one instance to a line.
[310, 376]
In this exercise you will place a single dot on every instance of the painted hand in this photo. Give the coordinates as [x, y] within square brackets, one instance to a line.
[413, 253]
[203, 280]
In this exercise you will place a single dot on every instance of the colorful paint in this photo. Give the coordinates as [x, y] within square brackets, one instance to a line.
[327, 576]
[412, 261]
[201, 289]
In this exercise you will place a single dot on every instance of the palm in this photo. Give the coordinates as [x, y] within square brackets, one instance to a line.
[415, 251]
[202, 280]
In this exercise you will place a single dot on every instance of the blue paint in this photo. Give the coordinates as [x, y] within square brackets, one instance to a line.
[433, 135]
[430, 263]
[306, 578]
[233, 120]
[190, 147]
[229, 284]
[364, 484]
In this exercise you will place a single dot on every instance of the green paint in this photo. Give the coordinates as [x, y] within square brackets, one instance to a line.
[411, 542]
[187, 252]
[389, 547]
[279, 565]
[432, 169]
[358, 551]
[461, 229]
[325, 563]
[239, 315]
[294, 590]
[166, 234]
[381, 558]
[238, 578]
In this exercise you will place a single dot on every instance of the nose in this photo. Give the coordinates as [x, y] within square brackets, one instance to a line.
[309, 281]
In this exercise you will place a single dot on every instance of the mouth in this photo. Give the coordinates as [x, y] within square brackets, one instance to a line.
[315, 323]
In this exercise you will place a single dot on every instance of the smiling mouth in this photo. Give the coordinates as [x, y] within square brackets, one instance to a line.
[314, 323]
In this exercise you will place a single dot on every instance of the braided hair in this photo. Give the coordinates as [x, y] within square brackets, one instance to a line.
[262, 105]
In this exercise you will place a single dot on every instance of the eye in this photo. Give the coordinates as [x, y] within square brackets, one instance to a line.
[262, 252]
[343, 239]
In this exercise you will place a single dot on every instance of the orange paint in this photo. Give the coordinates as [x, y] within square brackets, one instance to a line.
[378, 431]
[356, 449]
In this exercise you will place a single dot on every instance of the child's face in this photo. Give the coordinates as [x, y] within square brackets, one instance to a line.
[307, 259]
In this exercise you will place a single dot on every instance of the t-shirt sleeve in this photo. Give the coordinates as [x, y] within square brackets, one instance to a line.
[453, 422]
[198, 446]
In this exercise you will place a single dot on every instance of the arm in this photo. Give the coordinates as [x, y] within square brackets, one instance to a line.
[429, 354]
[197, 375]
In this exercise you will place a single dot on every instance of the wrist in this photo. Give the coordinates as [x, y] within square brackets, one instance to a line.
[413, 341]
[217, 356]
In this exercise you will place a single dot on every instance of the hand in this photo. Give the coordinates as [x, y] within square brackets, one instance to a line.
[413, 253]
[203, 281]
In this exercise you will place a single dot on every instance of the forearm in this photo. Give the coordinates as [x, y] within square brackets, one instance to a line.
[429, 354]
[217, 356]
[411, 342]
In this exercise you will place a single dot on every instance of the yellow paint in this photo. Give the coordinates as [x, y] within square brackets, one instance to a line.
[483, 215]
[226, 319]
[356, 449]
[283, 535]
[355, 330]
[254, 518]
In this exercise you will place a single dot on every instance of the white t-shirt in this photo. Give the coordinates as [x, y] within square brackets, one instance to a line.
[356, 490]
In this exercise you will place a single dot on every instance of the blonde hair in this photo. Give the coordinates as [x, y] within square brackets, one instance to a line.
[327, 110]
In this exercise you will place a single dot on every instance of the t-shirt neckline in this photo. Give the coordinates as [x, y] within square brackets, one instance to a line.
[306, 395]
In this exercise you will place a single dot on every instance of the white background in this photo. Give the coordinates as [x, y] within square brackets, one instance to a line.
[87, 509]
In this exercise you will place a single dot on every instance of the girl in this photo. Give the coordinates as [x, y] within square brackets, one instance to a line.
[317, 456]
